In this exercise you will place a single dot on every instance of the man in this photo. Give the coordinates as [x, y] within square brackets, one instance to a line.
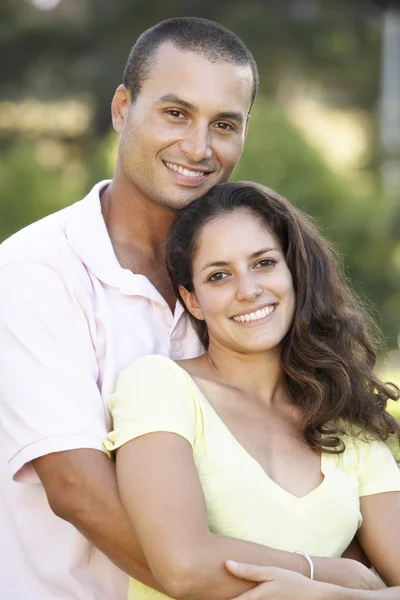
[85, 291]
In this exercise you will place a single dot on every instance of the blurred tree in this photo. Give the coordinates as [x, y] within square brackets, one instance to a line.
[330, 48]
[80, 47]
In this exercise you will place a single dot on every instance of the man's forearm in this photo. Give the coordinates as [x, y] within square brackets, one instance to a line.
[339, 593]
[386, 594]
[82, 489]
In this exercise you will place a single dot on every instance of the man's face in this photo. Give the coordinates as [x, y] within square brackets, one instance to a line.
[185, 131]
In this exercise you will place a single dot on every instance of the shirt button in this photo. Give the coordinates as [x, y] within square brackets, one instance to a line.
[175, 347]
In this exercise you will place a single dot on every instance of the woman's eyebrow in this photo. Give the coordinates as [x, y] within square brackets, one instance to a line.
[217, 263]
[263, 251]
[224, 263]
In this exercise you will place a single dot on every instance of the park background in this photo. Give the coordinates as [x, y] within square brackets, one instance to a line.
[324, 130]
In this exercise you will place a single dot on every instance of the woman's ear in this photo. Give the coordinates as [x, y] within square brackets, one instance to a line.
[191, 303]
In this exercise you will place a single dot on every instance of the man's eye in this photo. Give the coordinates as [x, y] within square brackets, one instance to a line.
[217, 276]
[175, 113]
[225, 126]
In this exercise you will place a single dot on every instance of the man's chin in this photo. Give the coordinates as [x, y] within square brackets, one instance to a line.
[181, 200]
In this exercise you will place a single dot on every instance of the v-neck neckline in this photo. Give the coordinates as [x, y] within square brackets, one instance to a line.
[255, 462]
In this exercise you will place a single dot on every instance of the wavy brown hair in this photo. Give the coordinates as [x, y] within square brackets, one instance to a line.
[328, 354]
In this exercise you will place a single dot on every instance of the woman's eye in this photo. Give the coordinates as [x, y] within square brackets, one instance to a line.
[266, 262]
[217, 276]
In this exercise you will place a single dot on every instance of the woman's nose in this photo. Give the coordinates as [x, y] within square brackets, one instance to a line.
[248, 288]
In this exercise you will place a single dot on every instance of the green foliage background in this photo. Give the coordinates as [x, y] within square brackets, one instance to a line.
[333, 47]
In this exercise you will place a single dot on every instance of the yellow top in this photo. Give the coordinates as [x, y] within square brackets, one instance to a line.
[155, 394]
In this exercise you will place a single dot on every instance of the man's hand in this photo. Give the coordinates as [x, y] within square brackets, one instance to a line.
[355, 552]
[347, 573]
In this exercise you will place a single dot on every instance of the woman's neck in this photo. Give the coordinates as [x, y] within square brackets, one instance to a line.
[258, 374]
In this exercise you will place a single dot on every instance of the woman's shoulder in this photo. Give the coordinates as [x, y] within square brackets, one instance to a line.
[363, 452]
[154, 380]
[153, 394]
[154, 365]
[159, 376]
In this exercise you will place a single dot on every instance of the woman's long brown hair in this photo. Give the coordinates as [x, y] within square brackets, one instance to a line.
[328, 355]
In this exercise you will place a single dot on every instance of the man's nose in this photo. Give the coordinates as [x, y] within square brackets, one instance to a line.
[248, 288]
[196, 143]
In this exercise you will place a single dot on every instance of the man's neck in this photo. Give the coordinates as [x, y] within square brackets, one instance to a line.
[138, 229]
[135, 223]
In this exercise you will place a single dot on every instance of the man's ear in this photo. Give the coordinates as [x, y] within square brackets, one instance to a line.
[119, 107]
[191, 303]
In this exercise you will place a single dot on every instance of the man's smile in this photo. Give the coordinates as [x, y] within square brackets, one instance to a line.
[187, 175]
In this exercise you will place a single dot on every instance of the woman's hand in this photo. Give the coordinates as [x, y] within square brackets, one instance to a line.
[280, 584]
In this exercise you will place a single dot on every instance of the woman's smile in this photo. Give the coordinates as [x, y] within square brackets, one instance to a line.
[255, 317]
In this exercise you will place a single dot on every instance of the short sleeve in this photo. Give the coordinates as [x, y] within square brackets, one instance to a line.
[152, 395]
[378, 471]
[50, 401]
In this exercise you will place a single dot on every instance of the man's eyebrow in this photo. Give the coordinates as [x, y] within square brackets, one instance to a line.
[223, 263]
[232, 116]
[174, 99]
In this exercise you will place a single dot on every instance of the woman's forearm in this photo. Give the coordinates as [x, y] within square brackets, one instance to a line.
[197, 571]
[162, 494]
[200, 574]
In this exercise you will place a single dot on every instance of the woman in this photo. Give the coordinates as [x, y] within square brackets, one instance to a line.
[269, 448]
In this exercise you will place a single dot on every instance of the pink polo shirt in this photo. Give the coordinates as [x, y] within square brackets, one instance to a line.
[71, 318]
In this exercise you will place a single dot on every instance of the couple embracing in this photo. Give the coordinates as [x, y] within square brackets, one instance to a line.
[247, 427]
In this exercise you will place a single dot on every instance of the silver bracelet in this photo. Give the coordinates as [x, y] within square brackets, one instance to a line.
[309, 560]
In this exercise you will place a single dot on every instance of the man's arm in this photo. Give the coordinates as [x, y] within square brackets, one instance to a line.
[81, 488]
[355, 552]
[52, 414]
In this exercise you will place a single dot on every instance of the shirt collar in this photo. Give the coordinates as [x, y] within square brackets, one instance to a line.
[88, 236]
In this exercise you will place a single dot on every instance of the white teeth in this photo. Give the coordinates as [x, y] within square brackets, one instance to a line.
[254, 316]
[183, 171]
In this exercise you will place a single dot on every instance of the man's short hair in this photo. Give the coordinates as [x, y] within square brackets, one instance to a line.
[211, 40]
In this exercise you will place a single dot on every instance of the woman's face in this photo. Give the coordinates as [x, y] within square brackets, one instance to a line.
[243, 288]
